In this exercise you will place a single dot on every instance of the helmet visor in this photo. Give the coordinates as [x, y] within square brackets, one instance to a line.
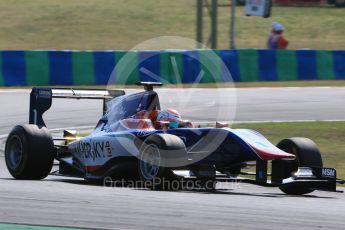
[173, 124]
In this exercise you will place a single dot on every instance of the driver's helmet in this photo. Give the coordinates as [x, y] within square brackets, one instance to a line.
[171, 116]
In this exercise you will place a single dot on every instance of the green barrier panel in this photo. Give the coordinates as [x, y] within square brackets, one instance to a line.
[248, 63]
[177, 70]
[286, 65]
[127, 71]
[37, 68]
[324, 61]
[165, 68]
[82, 65]
[171, 67]
[211, 65]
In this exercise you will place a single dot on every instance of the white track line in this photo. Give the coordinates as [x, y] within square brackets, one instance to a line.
[14, 91]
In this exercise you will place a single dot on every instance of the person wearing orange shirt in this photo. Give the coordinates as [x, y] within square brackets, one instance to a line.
[276, 39]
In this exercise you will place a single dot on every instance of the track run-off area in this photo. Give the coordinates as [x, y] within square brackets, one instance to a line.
[60, 201]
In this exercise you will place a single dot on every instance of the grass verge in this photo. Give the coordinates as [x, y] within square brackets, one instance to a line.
[121, 24]
[329, 136]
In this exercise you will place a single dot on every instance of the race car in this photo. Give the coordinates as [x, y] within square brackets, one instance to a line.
[130, 142]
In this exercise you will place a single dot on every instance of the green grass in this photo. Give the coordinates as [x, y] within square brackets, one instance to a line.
[329, 136]
[121, 24]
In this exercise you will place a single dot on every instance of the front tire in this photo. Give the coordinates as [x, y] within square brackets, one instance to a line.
[29, 152]
[153, 168]
[307, 155]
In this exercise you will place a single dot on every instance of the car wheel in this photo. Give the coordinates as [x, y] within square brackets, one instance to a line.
[29, 152]
[307, 155]
[152, 167]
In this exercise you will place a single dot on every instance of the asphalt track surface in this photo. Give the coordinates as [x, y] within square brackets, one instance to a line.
[246, 104]
[72, 202]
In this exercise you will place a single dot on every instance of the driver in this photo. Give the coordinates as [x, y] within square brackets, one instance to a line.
[171, 116]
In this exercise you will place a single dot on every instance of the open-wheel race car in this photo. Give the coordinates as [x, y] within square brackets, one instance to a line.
[130, 142]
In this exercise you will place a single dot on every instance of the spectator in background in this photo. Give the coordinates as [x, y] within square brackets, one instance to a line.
[276, 39]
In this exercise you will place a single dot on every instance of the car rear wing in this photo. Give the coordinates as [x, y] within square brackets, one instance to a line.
[41, 99]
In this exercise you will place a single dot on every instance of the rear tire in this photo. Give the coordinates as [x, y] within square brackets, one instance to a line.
[152, 167]
[307, 155]
[29, 152]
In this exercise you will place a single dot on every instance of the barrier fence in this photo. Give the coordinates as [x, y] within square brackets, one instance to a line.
[38, 68]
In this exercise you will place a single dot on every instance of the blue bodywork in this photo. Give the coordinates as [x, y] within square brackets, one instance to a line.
[220, 147]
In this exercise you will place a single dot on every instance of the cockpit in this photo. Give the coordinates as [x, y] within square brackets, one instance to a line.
[133, 111]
